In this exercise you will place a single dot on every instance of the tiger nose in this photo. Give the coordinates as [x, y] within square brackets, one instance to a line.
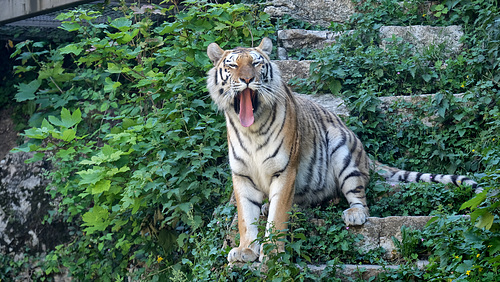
[247, 80]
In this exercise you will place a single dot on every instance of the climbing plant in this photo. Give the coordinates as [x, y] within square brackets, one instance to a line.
[137, 148]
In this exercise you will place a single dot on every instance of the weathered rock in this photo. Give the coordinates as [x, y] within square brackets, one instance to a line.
[293, 69]
[345, 272]
[378, 232]
[7, 132]
[351, 272]
[302, 38]
[426, 37]
[282, 53]
[315, 12]
[23, 204]
[328, 101]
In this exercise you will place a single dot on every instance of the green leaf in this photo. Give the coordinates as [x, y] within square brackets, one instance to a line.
[113, 68]
[35, 133]
[495, 245]
[474, 202]
[27, 91]
[433, 219]
[169, 28]
[70, 26]
[335, 87]
[65, 155]
[181, 238]
[96, 219]
[123, 24]
[101, 186]
[485, 220]
[185, 207]
[111, 85]
[36, 157]
[68, 135]
[427, 77]
[91, 176]
[107, 154]
[71, 48]
[67, 118]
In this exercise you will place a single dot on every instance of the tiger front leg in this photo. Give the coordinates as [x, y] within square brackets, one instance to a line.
[280, 203]
[248, 201]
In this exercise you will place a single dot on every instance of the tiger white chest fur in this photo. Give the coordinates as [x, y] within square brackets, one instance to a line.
[252, 152]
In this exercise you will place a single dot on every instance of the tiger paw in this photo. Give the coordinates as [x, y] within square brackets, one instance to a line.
[356, 215]
[242, 254]
[264, 210]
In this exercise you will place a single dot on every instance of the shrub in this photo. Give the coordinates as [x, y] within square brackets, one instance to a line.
[139, 153]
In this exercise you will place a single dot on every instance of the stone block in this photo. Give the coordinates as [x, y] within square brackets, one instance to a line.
[293, 69]
[328, 101]
[378, 232]
[426, 37]
[315, 12]
[302, 38]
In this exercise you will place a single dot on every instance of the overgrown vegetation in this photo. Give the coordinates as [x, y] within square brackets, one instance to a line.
[444, 133]
[140, 154]
[138, 150]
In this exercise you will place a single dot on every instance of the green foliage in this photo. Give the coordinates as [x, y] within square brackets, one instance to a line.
[410, 244]
[415, 199]
[138, 150]
[442, 127]
[457, 251]
[449, 133]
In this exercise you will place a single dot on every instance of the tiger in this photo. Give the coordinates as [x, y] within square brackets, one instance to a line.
[286, 149]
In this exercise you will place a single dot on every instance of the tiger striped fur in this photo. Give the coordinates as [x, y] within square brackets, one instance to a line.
[286, 148]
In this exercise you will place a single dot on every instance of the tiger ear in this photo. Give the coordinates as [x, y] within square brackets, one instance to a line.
[266, 45]
[214, 52]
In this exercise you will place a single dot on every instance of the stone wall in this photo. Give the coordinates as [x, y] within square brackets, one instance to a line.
[316, 12]
[23, 204]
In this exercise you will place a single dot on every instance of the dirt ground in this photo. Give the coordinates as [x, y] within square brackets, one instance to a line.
[8, 135]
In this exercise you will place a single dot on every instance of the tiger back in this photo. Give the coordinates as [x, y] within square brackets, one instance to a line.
[287, 149]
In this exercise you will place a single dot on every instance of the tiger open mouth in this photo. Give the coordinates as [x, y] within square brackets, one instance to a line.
[245, 104]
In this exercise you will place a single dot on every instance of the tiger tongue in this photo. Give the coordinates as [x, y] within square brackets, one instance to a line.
[246, 108]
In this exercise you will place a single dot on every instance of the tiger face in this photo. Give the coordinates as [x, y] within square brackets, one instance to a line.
[242, 79]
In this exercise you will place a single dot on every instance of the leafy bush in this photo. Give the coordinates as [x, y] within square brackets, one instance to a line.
[443, 126]
[449, 133]
[139, 152]
[415, 199]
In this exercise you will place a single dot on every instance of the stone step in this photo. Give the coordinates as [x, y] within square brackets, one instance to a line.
[350, 272]
[376, 232]
[291, 69]
[422, 37]
[346, 272]
[315, 12]
[338, 106]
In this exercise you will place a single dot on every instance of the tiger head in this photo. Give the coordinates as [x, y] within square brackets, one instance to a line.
[244, 80]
